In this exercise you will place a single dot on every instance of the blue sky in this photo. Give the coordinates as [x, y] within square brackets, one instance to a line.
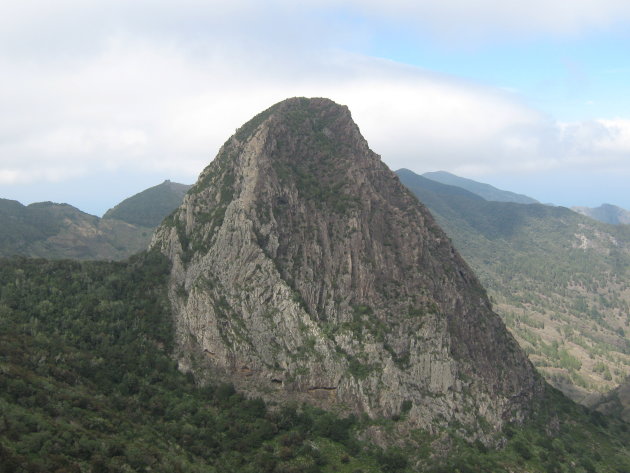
[102, 99]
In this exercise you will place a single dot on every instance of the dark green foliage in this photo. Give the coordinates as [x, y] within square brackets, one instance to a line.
[21, 224]
[318, 177]
[149, 207]
[392, 461]
[522, 450]
[561, 436]
[87, 384]
[24, 225]
[406, 406]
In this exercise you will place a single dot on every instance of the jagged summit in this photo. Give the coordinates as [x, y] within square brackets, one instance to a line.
[302, 268]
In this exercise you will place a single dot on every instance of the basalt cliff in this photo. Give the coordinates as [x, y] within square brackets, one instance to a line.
[303, 269]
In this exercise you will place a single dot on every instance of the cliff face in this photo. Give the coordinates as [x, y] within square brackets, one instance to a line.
[303, 269]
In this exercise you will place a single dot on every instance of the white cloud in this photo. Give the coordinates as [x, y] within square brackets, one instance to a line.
[96, 86]
[138, 105]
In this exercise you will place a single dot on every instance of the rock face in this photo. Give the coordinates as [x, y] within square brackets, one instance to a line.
[303, 269]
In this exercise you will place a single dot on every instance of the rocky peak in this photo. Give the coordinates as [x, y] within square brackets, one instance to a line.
[303, 269]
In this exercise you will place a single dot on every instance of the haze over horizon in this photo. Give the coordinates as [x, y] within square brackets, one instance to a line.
[101, 100]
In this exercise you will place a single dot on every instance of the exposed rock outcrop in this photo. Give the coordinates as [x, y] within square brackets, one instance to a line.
[302, 268]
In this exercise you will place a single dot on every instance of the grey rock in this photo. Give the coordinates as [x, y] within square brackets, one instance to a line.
[304, 270]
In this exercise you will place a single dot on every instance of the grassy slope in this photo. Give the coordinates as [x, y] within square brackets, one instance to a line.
[558, 279]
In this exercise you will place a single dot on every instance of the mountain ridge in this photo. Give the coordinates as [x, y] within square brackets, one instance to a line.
[483, 190]
[47, 229]
[606, 213]
[149, 207]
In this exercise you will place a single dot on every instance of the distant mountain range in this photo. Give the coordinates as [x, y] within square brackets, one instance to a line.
[606, 213]
[56, 231]
[52, 230]
[560, 280]
[486, 191]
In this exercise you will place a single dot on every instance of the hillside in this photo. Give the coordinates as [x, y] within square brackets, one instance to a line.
[485, 191]
[149, 207]
[61, 231]
[89, 384]
[559, 280]
[606, 213]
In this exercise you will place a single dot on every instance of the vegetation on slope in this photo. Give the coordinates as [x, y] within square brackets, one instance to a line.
[61, 231]
[149, 207]
[559, 280]
[88, 384]
[616, 403]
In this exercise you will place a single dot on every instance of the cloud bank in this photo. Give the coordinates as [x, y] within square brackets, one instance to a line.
[129, 87]
[140, 107]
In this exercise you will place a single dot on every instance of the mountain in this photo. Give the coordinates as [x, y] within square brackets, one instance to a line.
[486, 191]
[149, 207]
[303, 269]
[54, 230]
[559, 280]
[606, 213]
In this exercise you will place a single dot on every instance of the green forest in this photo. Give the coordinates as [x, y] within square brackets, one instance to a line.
[88, 384]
